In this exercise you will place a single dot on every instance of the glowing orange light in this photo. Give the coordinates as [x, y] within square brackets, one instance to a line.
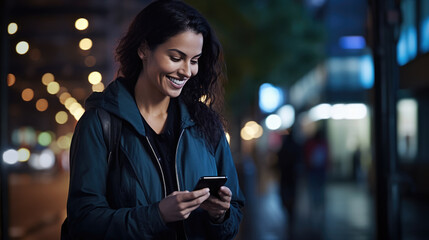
[47, 78]
[10, 79]
[27, 94]
[42, 105]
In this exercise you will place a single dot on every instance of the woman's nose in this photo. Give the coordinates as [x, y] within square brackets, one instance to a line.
[185, 70]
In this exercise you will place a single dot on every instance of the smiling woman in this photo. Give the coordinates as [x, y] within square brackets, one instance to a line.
[169, 66]
[165, 137]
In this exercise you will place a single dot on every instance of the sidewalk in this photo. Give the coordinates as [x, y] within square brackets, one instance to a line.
[347, 214]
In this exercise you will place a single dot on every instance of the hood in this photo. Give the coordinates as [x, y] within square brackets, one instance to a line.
[118, 99]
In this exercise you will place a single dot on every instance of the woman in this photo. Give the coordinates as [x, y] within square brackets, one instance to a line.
[169, 60]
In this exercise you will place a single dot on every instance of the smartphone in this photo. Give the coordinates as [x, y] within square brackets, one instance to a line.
[212, 182]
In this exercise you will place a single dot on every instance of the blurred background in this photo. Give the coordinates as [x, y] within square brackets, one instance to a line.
[326, 102]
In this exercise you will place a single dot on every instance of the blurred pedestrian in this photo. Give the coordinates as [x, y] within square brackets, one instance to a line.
[288, 157]
[316, 153]
[168, 61]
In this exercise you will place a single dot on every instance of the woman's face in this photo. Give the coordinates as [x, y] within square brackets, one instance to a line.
[170, 65]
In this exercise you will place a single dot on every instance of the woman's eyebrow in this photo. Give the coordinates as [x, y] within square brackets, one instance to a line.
[182, 53]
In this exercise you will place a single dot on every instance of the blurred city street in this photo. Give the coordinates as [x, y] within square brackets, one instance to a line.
[325, 104]
[347, 215]
[37, 205]
[37, 210]
[38, 201]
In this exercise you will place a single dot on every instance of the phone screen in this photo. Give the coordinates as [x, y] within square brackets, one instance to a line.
[212, 182]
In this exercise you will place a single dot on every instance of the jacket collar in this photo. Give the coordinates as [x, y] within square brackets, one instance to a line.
[118, 99]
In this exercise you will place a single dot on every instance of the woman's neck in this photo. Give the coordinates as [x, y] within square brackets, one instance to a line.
[152, 104]
[149, 100]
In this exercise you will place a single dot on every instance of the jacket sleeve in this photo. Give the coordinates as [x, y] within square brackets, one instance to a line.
[229, 228]
[89, 214]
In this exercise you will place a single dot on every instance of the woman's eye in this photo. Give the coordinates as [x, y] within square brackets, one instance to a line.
[194, 61]
[175, 59]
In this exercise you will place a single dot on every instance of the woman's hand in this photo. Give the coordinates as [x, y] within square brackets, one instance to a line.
[179, 205]
[217, 207]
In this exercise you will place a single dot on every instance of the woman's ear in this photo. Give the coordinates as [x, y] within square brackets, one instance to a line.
[143, 51]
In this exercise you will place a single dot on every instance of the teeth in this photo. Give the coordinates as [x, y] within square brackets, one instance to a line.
[176, 81]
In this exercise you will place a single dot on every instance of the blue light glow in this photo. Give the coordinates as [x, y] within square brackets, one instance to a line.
[407, 45]
[366, 77]
[270, 97]
[412, 42]
[352, 42]
[401, 50]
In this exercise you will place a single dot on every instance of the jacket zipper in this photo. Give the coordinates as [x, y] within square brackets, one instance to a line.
[160, 168]
[177, 177]
[175, 159]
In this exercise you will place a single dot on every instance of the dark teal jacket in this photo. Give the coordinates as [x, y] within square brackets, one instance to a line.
[122, 203]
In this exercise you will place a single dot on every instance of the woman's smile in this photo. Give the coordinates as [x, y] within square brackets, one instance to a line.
[177, 83]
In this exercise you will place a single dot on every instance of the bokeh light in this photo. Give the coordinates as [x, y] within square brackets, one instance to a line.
[53, 88]
[251, 130]
[69, 101]
[270, 97]
[24, 136]
[12, 28]
[47, 159]
[22, 47]
[81, 24]
[44, 139]
[338, 111]
[287, 115]
[42, 105]
[61, 117]
[64, 96]
[78, 113]
[245, 135]
[99, 87]
[94, 77]
[44, 160]
[319, 112]
[273, 122]
[27, 94]
[11, 79]
[74, 106]
[356, 111]
[10, 156]
[47, 78]
[64, 142]
[23, 154]
[85, 44]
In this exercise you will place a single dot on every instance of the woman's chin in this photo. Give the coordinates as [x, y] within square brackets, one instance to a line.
[174, 93]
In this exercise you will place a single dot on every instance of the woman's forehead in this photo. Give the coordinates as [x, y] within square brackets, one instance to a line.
[187, 42]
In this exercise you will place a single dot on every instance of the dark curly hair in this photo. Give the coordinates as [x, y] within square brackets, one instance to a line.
[154, 25]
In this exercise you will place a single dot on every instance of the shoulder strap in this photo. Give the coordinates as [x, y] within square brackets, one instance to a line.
[111, 131]
[105, 124]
